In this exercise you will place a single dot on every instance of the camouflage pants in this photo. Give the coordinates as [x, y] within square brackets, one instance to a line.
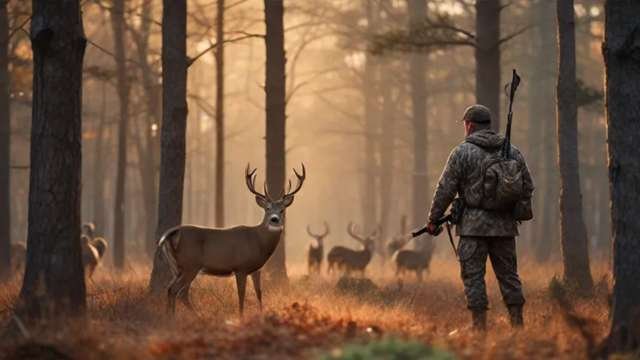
[501, 251]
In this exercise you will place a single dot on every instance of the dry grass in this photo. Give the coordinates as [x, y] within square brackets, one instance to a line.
[312, 317]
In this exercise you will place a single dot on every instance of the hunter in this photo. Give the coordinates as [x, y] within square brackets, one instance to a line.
[482, 180]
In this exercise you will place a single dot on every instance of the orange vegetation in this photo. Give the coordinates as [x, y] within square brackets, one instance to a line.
[313, 317]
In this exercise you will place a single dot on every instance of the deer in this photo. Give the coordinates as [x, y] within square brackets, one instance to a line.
[315, 253]
[353, 260]
[399, 241]
[93, 248]
[414, 260]
[239, 251]
[93, 251]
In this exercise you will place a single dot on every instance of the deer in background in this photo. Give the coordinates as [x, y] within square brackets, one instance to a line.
[350, 260]
[241, 251]
[315, 254]
[414, 260]
[93, 248]
[399, 241]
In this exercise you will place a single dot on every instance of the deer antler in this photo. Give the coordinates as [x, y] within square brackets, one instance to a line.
[350, 231]
[326, 231]
[301, 178]
[250, 178]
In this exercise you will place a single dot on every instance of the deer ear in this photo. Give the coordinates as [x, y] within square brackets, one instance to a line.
[262, 202]
[287, 200]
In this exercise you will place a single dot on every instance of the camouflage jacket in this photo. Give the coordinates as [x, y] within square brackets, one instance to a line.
[463, 170]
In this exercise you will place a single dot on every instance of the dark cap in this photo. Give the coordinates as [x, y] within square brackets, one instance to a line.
[478, 114]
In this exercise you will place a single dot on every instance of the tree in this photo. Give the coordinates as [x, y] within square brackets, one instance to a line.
[575, 250]
[219, 56]
[542, 147]
[621, 49]
[487, 53]
[146, 140]
[370, 114]
[54, 278]
[173, 132]
[122, 87]
[418, 83]
[5, 146]
[275, 86]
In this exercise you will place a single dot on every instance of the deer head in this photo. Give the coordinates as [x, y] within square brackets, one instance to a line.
[273, 208]
[319, 237]
[367, 241]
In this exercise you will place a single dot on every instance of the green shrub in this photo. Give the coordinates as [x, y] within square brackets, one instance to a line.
[388, 349]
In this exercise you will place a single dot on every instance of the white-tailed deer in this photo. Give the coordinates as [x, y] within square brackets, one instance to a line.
[350, 260]
[239, 251]
[315, 253]
[414, 260]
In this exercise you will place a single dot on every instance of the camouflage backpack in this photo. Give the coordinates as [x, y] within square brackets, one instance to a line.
[502, 182]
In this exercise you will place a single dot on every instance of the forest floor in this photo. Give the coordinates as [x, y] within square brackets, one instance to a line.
[314, 318]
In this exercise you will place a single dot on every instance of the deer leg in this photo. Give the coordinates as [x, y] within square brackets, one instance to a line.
[255, 278]
[172, 292]
[183, 291]
[241, 283]
[419, 275]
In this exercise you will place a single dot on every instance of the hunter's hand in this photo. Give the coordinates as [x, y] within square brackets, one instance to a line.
[433, 229]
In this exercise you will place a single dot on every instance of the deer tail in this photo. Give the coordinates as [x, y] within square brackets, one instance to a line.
[167, 247]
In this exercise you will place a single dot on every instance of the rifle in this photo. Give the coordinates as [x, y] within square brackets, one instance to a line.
[506, 146]
[446, 220]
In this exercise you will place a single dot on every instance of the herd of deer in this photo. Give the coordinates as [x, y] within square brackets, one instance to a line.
[242, 251]
[351, 261]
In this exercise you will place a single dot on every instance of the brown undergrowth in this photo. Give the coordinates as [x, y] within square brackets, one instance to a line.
[312, 317]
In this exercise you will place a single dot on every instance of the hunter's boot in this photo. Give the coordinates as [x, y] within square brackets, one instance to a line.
[479, 320]
[515, 316]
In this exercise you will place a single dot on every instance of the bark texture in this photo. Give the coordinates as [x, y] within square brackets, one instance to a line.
[5, 147]
[122, 88]
[53, 285]
[370, 113]
[575, 250]
[418, 84]
[149, 148]
[542, 129]
[173, 133]
[622, 54]
[487, 52]
[219, 54]
[276, 118]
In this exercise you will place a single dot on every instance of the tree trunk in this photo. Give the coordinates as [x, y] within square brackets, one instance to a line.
[573, 234]
[276, 118]
[117, 23]
[174, 126]
[621, 49]
[369, 92]
[418, 83]
[487, 52]
[387, 153]
[53, 285]
[5, 147]
[219, 55]
[147, 151]
[99, 201]
[541, 127]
